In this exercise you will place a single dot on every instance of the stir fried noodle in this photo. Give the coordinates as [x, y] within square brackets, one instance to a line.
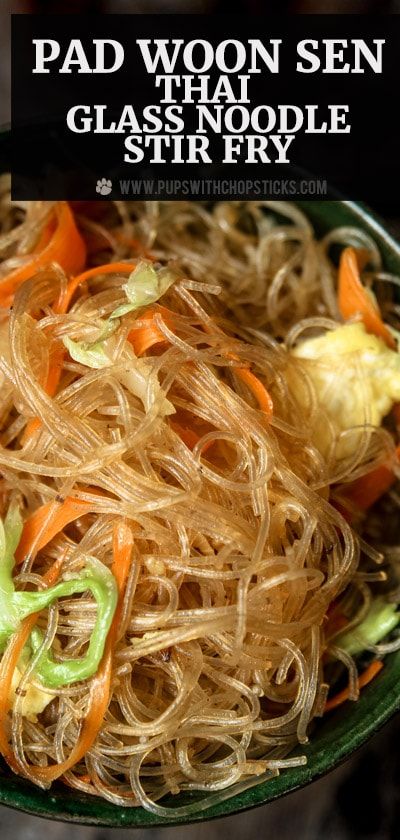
[167, 432]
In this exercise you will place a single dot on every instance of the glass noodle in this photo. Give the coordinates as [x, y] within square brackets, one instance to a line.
[238, 553]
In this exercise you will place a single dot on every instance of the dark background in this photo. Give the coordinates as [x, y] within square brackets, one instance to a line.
[362, 798]
[51, 162]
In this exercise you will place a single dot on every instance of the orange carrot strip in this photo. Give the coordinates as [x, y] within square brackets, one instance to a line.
[45, 236]
[347, 515]
[50, 387]
[99, 696]
[9, 663]
[144, 337]
[85, 778]
[66, 247]
[122, 552]
[257, 388]
[335, 621]
[31, 427]
[62, 304]
[251, 380]
[366, 490]
[366, 677]
[100, 686]
[58, 515]
[133, 243]
[396, 413]
[353, 298]
[53, 377]
[189, 436]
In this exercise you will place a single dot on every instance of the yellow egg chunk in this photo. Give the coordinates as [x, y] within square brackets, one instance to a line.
[356, 380]
[35, 700]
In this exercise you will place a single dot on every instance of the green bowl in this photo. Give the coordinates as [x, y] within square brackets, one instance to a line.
[335, 738]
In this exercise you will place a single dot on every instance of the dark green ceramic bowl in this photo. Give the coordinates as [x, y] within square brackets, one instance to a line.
[334, 739]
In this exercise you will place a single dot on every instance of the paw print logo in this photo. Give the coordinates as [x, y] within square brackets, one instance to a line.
[104, 186]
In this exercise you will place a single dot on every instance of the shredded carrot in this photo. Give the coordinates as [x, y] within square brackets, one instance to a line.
[366, 677]
[347, 515]
[45, 235]
[335, 620]
[133, 243]
[66, 247]
[63, 302]
[396, 413]
[366, 490]
[53, 377]
[9, 663]
[144, 337]
[56, 515]
[85, 778]
[189, 436]
[257, 388]
[58, 355]
[251, 380]
[353, 298]
[100, 686]
[122, 552]
[99, 695]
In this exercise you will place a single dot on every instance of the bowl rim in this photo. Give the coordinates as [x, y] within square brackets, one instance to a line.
[377, 704]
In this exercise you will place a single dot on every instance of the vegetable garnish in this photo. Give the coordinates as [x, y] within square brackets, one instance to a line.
[247, 376]
[99, 698]
[381, 619]
[92, 355]
[190, 436]
[146, 284]
[100, 685]
[366, 677]
[46, 522]
[257, 388]
[97, 579]
[65, 247]
[16, 606]
[53, 378]
[199, 603]
[64, 300]
[143, 338]
[355, 300]
[10, 661]
[363, 492]
[146, 334]
[138, 375]
[122, 558]
[135, 244]
[46, 235]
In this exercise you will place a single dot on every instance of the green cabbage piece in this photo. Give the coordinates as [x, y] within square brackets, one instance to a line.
[145, 285]
[380, 620]
[15, 606]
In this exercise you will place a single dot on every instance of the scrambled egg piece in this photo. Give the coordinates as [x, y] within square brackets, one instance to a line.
[35, 700]
[356, 378]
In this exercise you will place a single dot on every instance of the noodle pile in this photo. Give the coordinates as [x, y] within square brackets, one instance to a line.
[220, 662]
